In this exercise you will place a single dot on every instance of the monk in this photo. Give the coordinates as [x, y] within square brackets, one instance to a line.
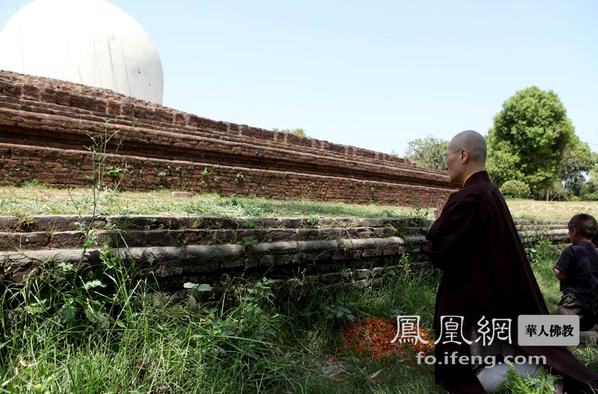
[485, 272]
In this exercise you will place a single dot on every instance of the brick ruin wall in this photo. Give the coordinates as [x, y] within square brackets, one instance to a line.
[47, 126]
[203, 249]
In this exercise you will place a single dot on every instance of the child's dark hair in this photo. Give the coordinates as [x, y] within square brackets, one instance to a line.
[585, 225]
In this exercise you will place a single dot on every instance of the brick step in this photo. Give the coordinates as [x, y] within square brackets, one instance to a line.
[58, 223]
[182, 237]
[561, 235]
[541, 227]
[234, 133]
[161, 262]
[56, 167]
[36, 240]
[167, 145]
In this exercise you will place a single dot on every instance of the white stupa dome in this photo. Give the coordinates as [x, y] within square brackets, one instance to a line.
[91, 42]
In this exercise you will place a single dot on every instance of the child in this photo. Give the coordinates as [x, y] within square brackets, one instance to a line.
[577, 269]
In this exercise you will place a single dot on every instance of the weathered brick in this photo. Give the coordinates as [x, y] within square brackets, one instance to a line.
[304, 168]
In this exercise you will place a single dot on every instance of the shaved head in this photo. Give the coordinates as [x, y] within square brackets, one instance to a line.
[473, 142]
[466, 155]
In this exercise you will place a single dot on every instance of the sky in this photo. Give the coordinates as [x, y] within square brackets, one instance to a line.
[373, 74]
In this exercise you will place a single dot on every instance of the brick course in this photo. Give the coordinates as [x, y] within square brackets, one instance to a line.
[46, 125]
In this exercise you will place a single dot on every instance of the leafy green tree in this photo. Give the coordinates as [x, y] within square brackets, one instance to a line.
[427, 152]
[590, 187]
[515, 189]
[298, 132]
[577, 160]
[528, 139]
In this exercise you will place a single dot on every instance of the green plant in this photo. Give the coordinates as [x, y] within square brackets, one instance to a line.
[90, 239]
[115, 171]
[515, 189]
[341, 311]
[181, 241]
[26, 221]
[108, 141]
[239, 177]
[387, 213]
[197, 289]
[313, 221]
[540, 251]
[419, 216]
[101, 145]
[247, 241]
[343, 245]
[87, 299]
[543, 383]
[252, 210]
[35, 183]
[404, 265]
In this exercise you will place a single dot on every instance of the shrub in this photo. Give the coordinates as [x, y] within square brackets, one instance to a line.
[590, 196]
[515, 189]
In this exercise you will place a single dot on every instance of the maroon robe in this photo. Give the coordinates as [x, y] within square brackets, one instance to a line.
[486, 272]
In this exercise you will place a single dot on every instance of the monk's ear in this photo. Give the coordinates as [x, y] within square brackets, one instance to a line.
[465, 156]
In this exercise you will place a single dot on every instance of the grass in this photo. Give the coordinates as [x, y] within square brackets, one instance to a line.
[543, 257]
[95, 332]
[551, 210]
[38, 199]
[99, 331]
[42, 200]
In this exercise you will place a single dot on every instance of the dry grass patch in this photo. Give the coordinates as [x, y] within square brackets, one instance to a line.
[551, 210]
[42, 200]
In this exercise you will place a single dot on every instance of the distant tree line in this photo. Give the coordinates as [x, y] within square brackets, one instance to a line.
[297, 132]
[533, 150]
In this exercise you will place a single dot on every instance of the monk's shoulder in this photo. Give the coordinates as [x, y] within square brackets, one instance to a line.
[479, 191]
[471, 193]
[464, 199]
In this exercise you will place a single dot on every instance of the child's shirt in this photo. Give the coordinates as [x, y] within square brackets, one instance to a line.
[579, 262]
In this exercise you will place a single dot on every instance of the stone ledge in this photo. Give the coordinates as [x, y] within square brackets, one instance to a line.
[173, 261]
[148, 222]
[328, 250]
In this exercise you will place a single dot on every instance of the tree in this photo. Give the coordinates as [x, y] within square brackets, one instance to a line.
[577, 160]
[298, 132]
[591, 185]
[515, 189]
[427, 152]
[528, 139]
